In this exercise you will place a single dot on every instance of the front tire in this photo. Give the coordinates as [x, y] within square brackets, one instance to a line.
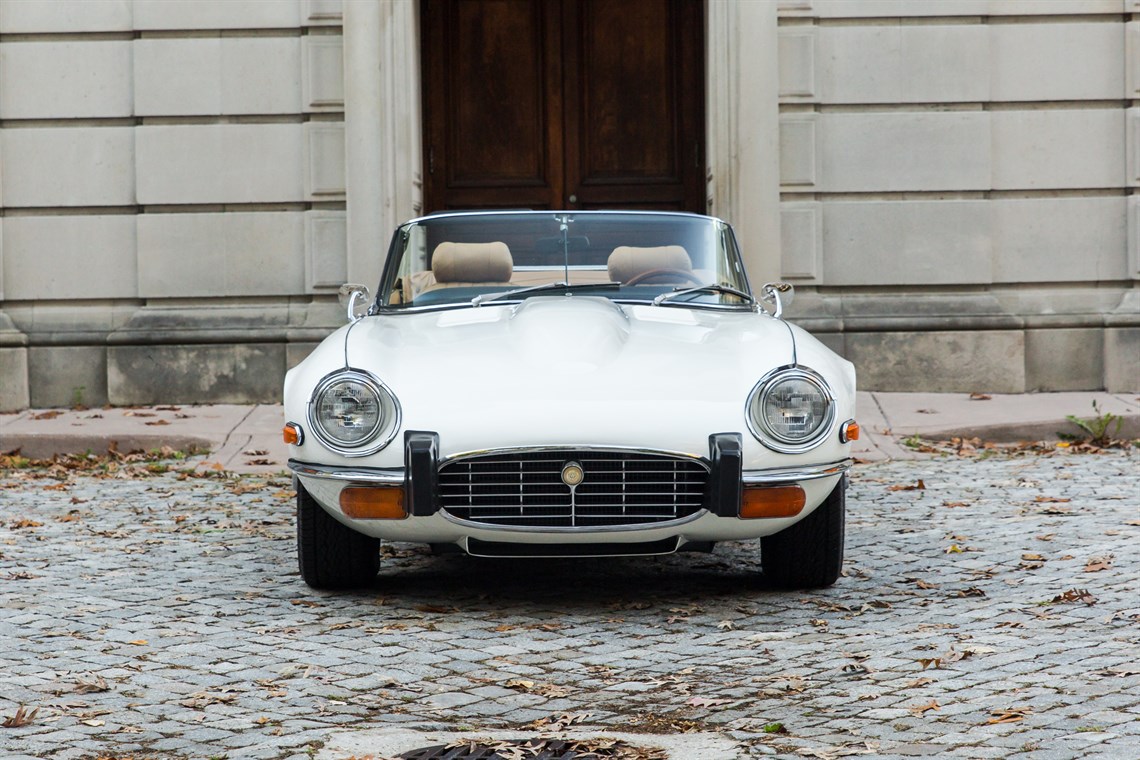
[330, 554]
[808, 554]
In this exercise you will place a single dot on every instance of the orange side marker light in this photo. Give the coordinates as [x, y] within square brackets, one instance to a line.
[292, 434]
[772, 501]
[373, 502]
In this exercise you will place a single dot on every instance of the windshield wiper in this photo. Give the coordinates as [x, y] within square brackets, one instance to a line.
[711, 287]
[483, 298]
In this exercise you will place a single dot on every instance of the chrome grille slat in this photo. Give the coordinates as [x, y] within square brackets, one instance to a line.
[525, 488]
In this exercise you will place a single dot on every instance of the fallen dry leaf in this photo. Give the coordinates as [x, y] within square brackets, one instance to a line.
[707, 701]
[1013, 715]
[436, 608]
[1096, 564]
[201, 699]
[560, 722]
[18, 575]
[980, 396]
[922, 709]
[21, 718]
[1119, 671]
[91, 685]
[1074, 595]
[918, 485]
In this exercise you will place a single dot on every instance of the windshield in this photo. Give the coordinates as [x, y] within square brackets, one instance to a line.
[486, 259]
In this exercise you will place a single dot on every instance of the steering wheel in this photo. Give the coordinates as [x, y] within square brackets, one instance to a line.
[663, 275]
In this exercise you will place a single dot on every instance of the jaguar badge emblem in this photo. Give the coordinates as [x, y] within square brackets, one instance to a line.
[572, 474]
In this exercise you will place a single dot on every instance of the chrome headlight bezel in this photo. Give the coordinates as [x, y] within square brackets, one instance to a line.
[757, 425]
[386, 427]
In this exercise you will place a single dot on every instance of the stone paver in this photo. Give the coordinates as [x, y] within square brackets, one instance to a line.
[163, 616]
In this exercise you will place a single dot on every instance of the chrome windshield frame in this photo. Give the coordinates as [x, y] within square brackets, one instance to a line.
[723, 241]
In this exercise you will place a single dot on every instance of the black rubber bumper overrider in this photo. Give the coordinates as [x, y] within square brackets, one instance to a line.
[726, 479]
[421, 484]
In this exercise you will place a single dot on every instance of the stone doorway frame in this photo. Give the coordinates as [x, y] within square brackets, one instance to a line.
[383, 137]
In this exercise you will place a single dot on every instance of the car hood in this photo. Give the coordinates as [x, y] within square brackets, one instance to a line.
[559, 370]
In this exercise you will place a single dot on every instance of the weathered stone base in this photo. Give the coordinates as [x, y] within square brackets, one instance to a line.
[1122, 359]
[13, 379]
[939, 362]
[203, 374]
[94, 354]
[1012, 341]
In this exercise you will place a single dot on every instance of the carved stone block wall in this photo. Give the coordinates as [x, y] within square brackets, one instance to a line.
[162, 163]
[950, 148]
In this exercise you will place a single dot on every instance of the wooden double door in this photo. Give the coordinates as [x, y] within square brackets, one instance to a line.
[563, 104]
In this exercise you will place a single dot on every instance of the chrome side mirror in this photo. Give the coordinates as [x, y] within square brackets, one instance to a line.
[351, 296]
[779, 295]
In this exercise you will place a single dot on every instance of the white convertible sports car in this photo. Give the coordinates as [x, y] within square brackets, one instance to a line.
[586, 383]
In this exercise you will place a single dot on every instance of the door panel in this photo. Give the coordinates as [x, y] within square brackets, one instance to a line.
[625, 123]
[492, 110]
[563, 104]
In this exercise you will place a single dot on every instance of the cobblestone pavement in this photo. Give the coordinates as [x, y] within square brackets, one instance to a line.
[992, 612]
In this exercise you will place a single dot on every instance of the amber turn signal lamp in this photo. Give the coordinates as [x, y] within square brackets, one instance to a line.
[292, 434]
[373, 503]
[772, 501]
[849, 432]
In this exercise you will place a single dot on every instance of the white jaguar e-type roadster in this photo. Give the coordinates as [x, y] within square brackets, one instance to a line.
[569, 384]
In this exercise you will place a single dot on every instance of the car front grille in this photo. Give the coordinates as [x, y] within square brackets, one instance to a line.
[526, 489]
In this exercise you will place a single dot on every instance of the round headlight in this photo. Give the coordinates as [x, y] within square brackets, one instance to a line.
[791, 410]
[350, 410]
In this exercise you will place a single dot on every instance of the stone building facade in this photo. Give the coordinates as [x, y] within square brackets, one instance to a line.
[185, 183]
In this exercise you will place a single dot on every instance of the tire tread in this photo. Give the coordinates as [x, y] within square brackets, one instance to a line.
[331, 555]
[809, 554]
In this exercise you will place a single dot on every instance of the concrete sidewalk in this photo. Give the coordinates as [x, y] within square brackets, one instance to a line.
[247, 439]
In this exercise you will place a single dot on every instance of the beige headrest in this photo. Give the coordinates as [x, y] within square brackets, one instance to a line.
[472, 262]
[629, 261]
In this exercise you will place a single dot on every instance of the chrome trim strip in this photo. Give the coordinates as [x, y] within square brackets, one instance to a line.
[548, 212]
[388, 310]
[570, 528]
[466, 546]
[788, 474]
[392, 477]
[576, 447]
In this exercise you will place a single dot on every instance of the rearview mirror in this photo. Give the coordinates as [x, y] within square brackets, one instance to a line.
[779, 295]
[352, 296]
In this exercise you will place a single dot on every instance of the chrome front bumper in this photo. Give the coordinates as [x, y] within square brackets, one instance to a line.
[396, 476]
[427, 521]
